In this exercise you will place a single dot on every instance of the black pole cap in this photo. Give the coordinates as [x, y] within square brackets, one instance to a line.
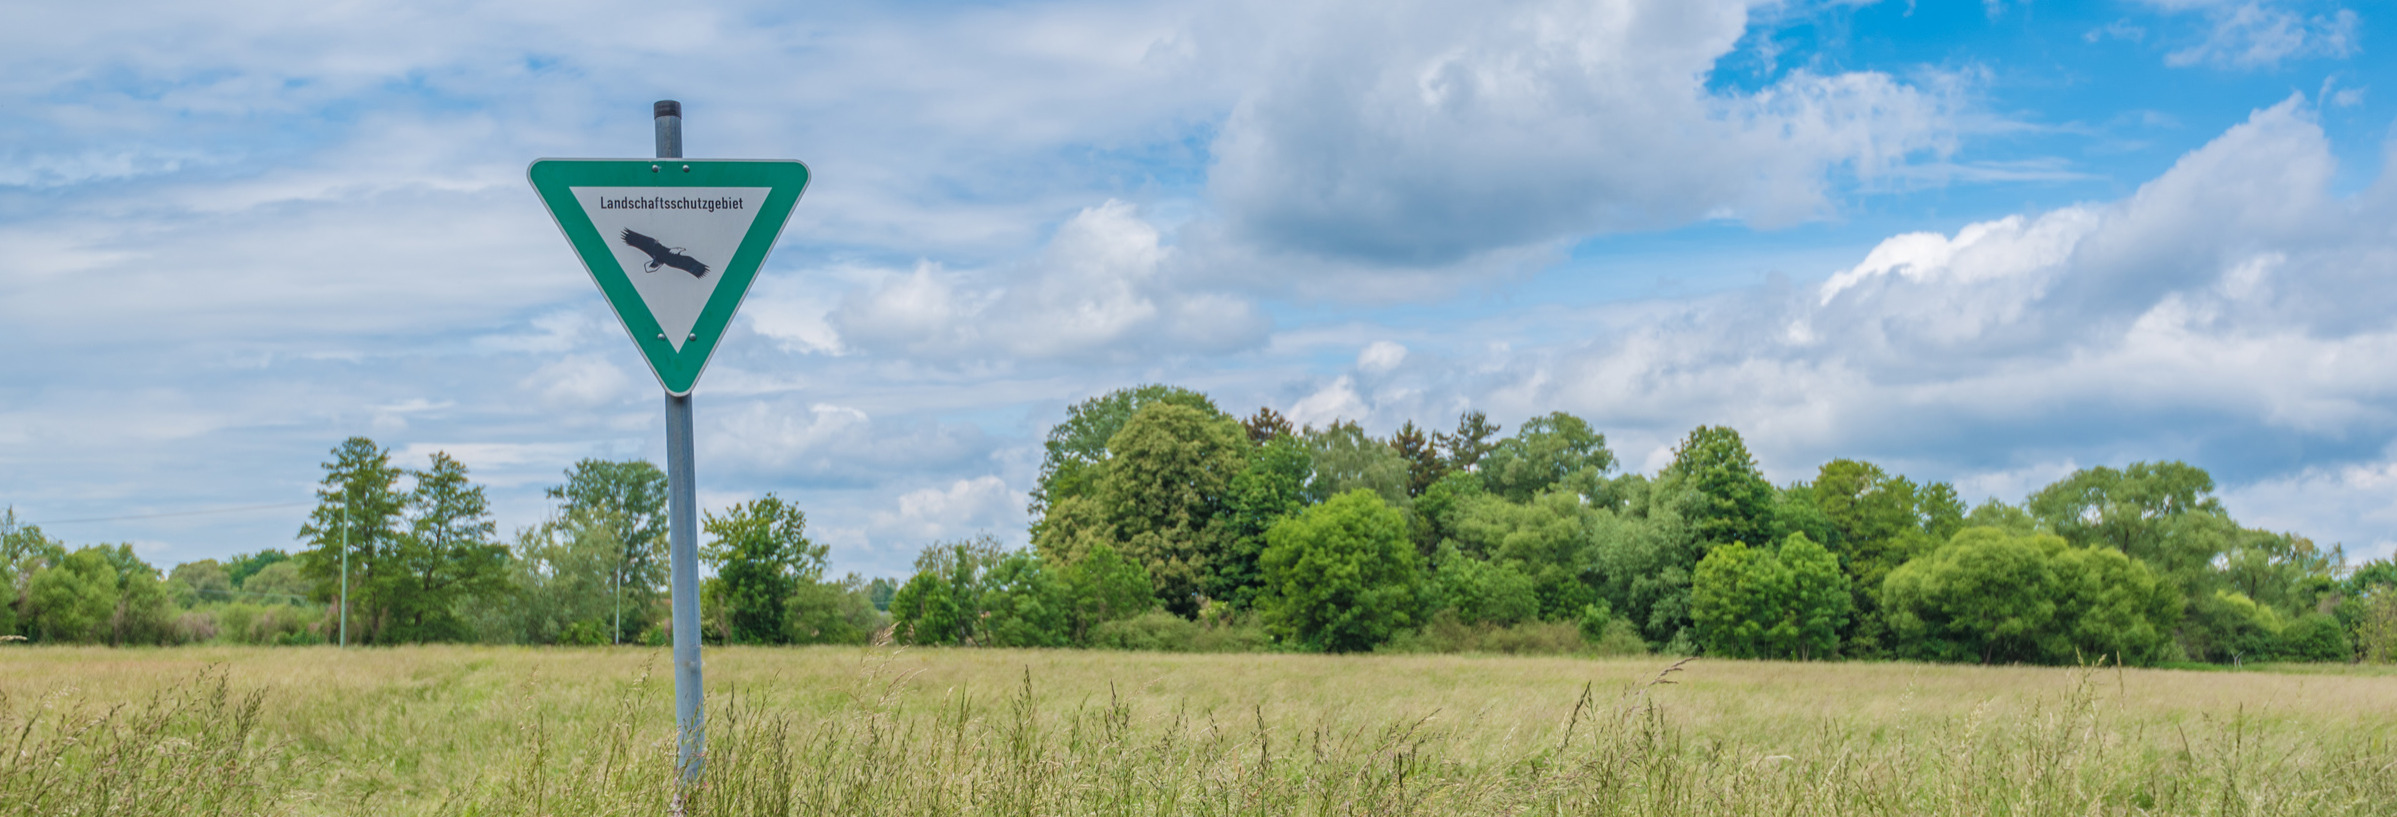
[668, 107]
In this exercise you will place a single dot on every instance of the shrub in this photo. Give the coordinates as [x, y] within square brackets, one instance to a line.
[1342, 576]
[1155, 631]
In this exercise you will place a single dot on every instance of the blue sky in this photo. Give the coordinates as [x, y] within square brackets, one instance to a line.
[1980, 242]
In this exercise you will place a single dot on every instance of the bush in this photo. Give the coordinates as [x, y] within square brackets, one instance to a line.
[2316, 637]
[1445, 633]
[1155, 631]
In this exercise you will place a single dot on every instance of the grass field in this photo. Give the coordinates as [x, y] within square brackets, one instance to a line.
[468, 730]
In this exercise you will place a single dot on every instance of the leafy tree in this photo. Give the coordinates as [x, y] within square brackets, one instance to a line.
[924, 611]
[2160, 513]
[1469, 442]
[1941, 510]
[1545, 539]
[1820, 604]
[1557, 449]
[73, 600]
[2109, 604]
[761, 554]
[242, 566]
[99, 594]
[447, 554]
[943, 602]
[631, 495]
[557, 584]
[358, 505]
[1740, 599]
[1986, 596]
[2228, 627]
[1027, 604]
[827, 612]
[1104, 586]
[1479, 591]
[1347, 459]
[1724, 497]
[207, 578]
[1076, 448]
[1272, 486]
[1165, 491]
[279, 582]
[1877, 524]
[1342, 575]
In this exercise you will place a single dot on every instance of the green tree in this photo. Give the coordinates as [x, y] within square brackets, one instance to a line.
[1422, 455]
[1104, 586]
[631, 494]
[1271, 487]
[944, 602]
[1545, 539]
[1986, 596]
[1077, 448]
[2109, 604]
[447, 555]
[1820, 604]
[1165, 492]
[1478, 591]
[244, 565]
[2161, 513]
[924, 611]
[1740, 599]
[358, 506]
[99, 594]
[207, 578]
[1724, 497]
[825, 612]
[1026, 605]
[1469, 442]
[1556, 449]
[761, 554]
[557, 585]
[73, 600]
[1342, 575]
[1346, 459]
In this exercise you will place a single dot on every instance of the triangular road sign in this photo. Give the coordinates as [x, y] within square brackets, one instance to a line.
[672, 243]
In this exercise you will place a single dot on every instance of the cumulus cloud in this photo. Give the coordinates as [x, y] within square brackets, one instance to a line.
[1101, 289]
[1438, 134]
[964, 508]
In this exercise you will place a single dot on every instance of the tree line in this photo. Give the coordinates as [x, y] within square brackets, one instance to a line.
[421, 560]
[1159, 521]
[1251, 533]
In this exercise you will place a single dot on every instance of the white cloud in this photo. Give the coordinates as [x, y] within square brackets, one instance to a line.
[2261, 33]
[1431, 135]
[1101, 289]
[1381, 357]
[966, 507]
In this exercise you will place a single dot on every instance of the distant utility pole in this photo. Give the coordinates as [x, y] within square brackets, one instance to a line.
[345, 572]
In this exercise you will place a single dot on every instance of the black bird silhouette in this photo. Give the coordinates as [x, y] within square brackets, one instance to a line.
[662, 256]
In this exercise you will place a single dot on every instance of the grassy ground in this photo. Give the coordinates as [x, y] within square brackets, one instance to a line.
[469, 730]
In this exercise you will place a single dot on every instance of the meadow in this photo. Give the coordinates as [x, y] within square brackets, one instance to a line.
[871, 731]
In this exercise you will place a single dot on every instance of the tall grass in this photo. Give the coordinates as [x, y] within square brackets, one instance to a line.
[884, 732]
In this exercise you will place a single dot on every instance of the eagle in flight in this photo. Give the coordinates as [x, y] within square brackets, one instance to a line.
[662, 256]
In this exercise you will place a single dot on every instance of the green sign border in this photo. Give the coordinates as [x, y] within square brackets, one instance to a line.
[554, 180]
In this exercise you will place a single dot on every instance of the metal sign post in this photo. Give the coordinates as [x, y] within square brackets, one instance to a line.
[673, 244]
[682, 531]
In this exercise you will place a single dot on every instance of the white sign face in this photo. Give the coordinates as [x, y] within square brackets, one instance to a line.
[673, 242]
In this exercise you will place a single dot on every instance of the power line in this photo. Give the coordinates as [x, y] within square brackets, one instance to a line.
[178, 513]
